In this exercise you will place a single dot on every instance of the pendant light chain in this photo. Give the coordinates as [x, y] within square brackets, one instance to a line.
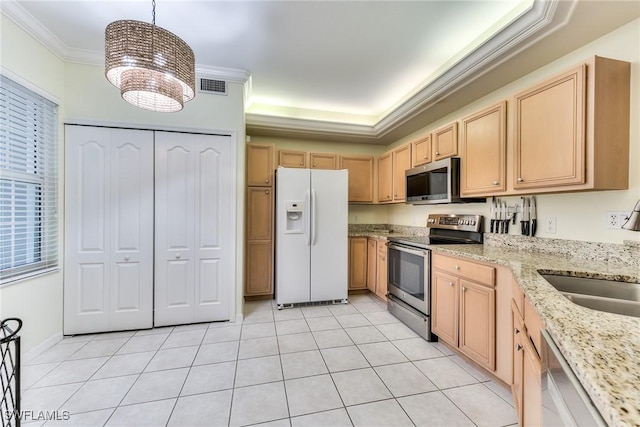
[153, 13]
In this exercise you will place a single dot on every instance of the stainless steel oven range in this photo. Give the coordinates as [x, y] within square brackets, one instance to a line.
[409, 267]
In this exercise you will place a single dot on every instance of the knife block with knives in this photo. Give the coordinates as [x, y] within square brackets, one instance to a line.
[501, 214]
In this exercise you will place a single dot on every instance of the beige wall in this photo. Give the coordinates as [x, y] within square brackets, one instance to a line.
[38, 301]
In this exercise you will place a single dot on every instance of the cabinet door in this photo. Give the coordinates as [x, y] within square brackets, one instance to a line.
[385, 177]
[518, 360]
[532, 386]
[259, 268]
[444, 307]
[360, 177]
[549, 140]
[421, 151]
[382, 268]
[372, 261]
[259, 214]
[292, 159]
[478, 323]
[483, 152]
[322, 161]
[445, 142]
[357, 263]
[260, 165]
[401, 162]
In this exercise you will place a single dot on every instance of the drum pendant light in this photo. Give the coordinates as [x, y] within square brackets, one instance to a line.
[153, 68]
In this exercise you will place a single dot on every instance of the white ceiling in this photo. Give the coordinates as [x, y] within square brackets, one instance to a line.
[351, 68]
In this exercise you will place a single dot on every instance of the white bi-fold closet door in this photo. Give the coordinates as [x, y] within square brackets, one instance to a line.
[115, 267]
[108, 265]
[195, 216]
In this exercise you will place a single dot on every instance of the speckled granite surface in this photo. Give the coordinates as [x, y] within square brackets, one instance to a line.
[603, 349]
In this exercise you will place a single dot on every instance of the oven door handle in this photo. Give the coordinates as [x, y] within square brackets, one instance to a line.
[402, 248]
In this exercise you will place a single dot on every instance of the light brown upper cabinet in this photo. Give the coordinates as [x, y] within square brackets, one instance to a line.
[322, 161]
[549, 138]
[260, 165]
[401, 162]
[572, 131]
[421, 151]
[385, 177]
[483, 152]
[292, 159]
[445, 141]
[360, 177]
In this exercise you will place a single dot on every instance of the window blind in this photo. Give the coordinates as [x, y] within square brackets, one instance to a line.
[28, 182]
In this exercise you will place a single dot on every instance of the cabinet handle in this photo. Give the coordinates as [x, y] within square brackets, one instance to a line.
[266, 181]
[516, 331]
[518, 347]
[450, 283]
[495, 182]
[457, 267]
[425, 157]
[300, 163]
[177, 256]
[520, 179]
[314, 165]
[126, 258]
[266, 191]
[437, 153]
[464, 289]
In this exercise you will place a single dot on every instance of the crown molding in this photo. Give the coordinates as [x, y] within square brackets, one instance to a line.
[219, 73]
[23, 19]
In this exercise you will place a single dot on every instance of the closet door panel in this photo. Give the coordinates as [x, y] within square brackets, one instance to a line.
[87, 204]
[132, 230]
[213, 231]
[174, 216]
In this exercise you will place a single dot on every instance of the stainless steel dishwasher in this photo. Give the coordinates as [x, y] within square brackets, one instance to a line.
[565, 401]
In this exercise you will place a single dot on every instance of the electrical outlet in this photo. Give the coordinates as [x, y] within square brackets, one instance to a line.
[355, 218]
[550, 226]
[615, 219]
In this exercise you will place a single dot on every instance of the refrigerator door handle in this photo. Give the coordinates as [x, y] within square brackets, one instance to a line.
[313, 216]
[307, 231]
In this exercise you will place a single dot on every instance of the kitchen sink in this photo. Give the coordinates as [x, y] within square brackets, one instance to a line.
[603, 295]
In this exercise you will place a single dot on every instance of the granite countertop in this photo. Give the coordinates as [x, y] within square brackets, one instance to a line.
[378, 234]
[603, 349]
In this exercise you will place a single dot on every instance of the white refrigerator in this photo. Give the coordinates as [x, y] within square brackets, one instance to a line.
[311, 235]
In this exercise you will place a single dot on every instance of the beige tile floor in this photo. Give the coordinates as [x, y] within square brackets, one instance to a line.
[328, 365]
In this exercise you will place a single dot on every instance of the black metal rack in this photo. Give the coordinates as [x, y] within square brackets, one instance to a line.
[10, 371]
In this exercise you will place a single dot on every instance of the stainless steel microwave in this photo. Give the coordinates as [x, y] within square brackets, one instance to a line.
[436, 183]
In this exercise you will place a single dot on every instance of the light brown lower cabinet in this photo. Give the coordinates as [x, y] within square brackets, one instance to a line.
[372, 264]
[527, 366]
[357, 263]
[463, 310]
[381, 270]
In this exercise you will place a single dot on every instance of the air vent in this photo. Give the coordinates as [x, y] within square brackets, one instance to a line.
[218, 87]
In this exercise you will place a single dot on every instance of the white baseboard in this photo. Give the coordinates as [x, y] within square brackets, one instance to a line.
[239, 318]
[44, 345]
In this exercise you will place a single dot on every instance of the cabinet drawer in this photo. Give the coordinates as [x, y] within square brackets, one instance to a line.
[470, 270]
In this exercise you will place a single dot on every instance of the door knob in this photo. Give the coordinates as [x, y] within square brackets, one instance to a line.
[177, 256]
